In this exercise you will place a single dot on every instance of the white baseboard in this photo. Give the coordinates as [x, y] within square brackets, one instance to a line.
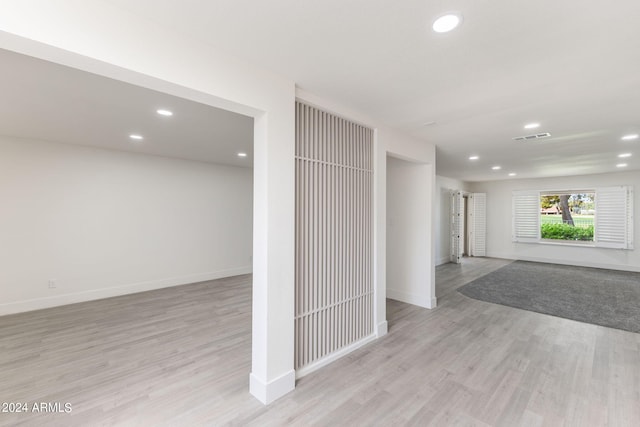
[72, 298]
[267, 392]
[410, 298]
[567, 262]
[382, 329]
[443, 260]
[334, 356]
[433, 303]
[500, 256]
[583, 264]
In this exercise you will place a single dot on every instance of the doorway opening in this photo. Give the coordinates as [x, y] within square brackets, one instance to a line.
[116, 214]
[408, 227]
[467, 225]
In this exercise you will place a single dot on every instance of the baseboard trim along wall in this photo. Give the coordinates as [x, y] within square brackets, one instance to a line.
[273, 390]
[409, 298]
[334, 356]
[443, 260]
[72, 298]
[382, 329]
[567, 262]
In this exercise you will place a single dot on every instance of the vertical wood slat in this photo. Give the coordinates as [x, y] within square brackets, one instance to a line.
[334, 289]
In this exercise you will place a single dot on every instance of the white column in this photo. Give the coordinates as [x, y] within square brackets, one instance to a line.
[272, 373]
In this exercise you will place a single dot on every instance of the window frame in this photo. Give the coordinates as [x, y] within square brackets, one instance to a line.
[562, 241]
[616, 208]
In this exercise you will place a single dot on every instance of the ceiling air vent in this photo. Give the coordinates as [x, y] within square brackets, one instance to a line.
[531, 137]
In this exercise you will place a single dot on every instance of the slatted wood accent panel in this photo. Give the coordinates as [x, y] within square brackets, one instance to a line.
[334, 219]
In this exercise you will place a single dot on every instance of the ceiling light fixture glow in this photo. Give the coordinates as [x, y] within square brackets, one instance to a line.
[623, 155]
[496, 168]
[474, 158]
[136, 137]
[242, 154]
[447, 22]
[512, 174]
[630, 137]
[621, 165]
[163, 112]
[532, 125]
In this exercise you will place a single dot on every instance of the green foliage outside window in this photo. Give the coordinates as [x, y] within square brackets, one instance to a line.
[560, 231]
[567, 216]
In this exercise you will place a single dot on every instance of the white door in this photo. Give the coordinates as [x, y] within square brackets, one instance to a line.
[457, 227]
[477, 224]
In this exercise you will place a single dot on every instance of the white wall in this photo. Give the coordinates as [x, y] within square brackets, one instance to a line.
[408, 232]
[499, 223]
[444, 186]
[105, 223]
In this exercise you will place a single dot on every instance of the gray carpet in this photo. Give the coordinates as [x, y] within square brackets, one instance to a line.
[602, 297]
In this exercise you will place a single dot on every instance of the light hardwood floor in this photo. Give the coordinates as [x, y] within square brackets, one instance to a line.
[181, 356]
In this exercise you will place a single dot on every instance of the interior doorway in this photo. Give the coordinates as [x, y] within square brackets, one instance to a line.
[467, 225]
[168, 180]
[408, 215]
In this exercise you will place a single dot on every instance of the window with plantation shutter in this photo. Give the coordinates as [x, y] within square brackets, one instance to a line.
[613, 221]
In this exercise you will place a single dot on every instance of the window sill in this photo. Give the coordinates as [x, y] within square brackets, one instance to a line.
[578, 243]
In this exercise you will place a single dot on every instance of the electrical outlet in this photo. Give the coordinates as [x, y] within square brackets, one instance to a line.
[52, 284]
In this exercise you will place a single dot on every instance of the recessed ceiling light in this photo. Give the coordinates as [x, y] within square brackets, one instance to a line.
[242, 154]
[474, 158]
[630, 137]
[621, 165]
[623, 155]
[496, 168]
[136, 137]
[532, 125]
[512, 174]
[164, 112]
[446, 23]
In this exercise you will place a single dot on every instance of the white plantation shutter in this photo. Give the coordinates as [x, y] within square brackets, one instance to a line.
[614, 217]
[526, 216]
[456, 226]
[630, 218]
[478, 224]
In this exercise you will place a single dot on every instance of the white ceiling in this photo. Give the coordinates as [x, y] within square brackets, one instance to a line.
[572, 65]
[45, 101]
